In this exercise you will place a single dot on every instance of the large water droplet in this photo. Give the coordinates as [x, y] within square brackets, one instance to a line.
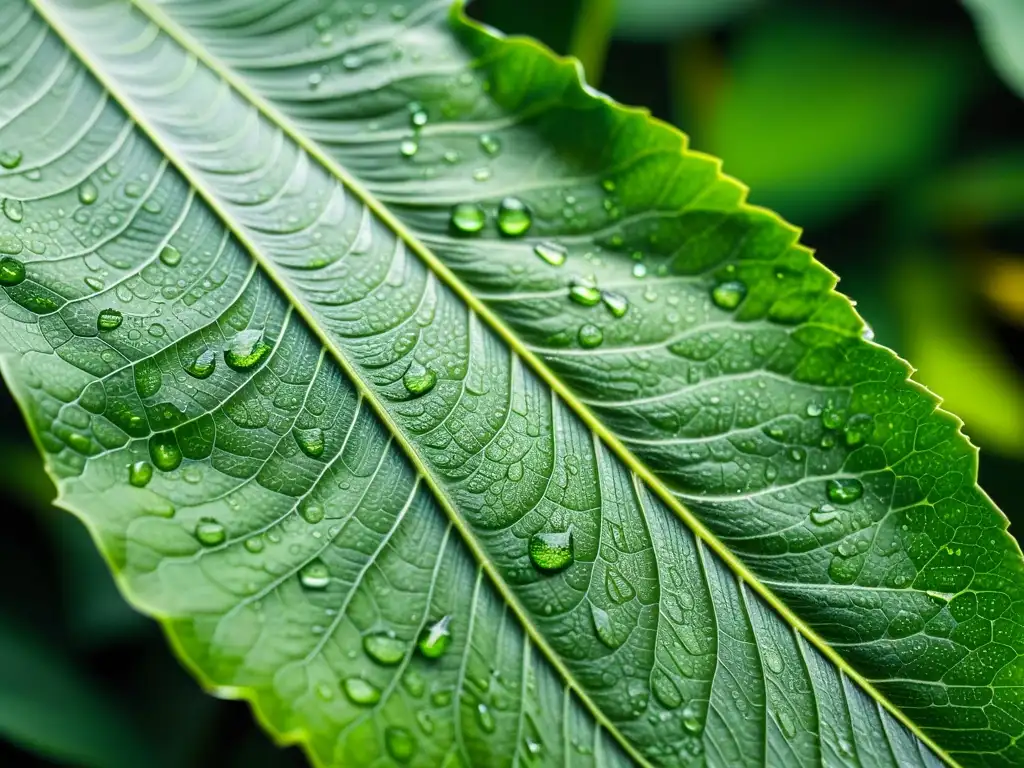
[824, 514]
[436, 638]
[315, 575]
[514, 217]
[164, 451]
[170, 256]
[247, 350]
[10, 158]
[87, 193]
[13, 209]
[12, 271]
[728, 295]
[485, 718]
[551, 551]
[109, 320]
[311, 441]
[254, 544]
[590, 336]
[408, 147]
[693, 718]
[361, 692]
[202, 365]
[844, 490]
[140, 473]
[419, 380]
[400, 743]
[617, 304]
[552, 253]
[490, 144]
[209, 532]
[857, 429]
[585, 293]
[384, 648]
[468, 218]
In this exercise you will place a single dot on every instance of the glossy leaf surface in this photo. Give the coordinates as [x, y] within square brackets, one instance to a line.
[455, 416]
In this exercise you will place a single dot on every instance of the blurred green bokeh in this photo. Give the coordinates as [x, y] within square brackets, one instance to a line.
[885, 127]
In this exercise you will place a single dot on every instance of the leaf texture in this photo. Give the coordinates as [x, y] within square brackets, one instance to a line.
[241, 267]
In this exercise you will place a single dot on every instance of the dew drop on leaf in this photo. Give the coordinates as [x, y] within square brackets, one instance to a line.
[361, 692]
[254, 544]
[246, 350]
[436, 638]
[552, 253]
[832, 418]
[584, 293]
[311, 441]
[514, 217]
[170, 256]
[419, 380]
[164, 451]
[490, 144]
[87, 193]
[603, 627]
[590, 336]
[857, 429]
[728, 295]
[639, 270]
[485, 718]
[209, 532]
[202, 365]
[400, 743]
[12, 271]
[95, 283]
[408, 147]
[844, 490]
[618, 587]
[773, 660]
[13, 209]
[109, 319]
[315, 575]
[10, 158]
[468, 218]
[824, 514]
[384, 648]
[312, 511]
[617, 304]
[551, 551]
[140, 473]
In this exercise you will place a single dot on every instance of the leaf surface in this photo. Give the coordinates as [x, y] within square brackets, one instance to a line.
[297, 336]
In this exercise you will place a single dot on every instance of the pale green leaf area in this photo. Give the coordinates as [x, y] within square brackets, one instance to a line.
[665, 19]
[999, 24]
[455, 416]
[817, 117]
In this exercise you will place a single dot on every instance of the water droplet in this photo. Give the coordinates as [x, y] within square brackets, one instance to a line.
[170, 256]
[202, 365]
[773, 660]
[844, 490]
[551, 551]
[552, 253]
[311, 441]
[351, 61]
[485, 718]
[140, 473]
[417, 115]
[361, 692]
[109, 320]
[857, 429]
[209, 532]
[384, 648]
[468, 218]
[12, 271]
[247, 350]
[315, 79]
[814, 409]
[693, 718]
[87, 193]
[436, 638]
[832, 418]
[315, 575]
[490, 144]
[590, 336]
[254, 544]
[515, 471]
[95, 283]
[639, 270]
[400, 743]
[13, 209]
[824, 514]
[419, 380]
[481, 174]
[164, 451]
[617, 304]
[11, 244]
[585, 293]
[514, 217]
[618, 587]
[10, 158]
[728, 295]
[603, 627]
[408, 147]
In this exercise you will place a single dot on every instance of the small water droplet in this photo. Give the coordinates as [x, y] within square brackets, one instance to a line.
[170, 256]
[552, 253]
[315, 79]
[408, 147]
[490, 144]
[419, 380]
[311, 441]
[10, 158]
[109, 320]
[436, 638]
[773, 660]
[814, 409]
[590, 336]
[857, 429]
[164, 451]
[618, 587]
[728, 295]
[617, 304]
[832, 418]
[603, 627]
[584, 293]
[140, 473]
[361, 692]
[13, 209]
[417, 115]
[209, 532]
[551, 551]
[12, 271]
[247, 350]
[384, 648]
[315, 575]
[468, 218]
[254, 544]
[824, 514]
[844, 490]
[95, 283]
[693, 718]
[514, 217]
[485, 718]
[202, 365]
[351, 61]
[87, 193]
[400, 743]
[481, 174]
[639, 270]
[312, 511]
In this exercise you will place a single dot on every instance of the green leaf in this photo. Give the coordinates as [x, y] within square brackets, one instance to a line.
[999, 23]
[667, 19]
[328, 320]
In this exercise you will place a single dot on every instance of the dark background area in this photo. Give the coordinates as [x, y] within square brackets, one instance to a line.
[878, 125]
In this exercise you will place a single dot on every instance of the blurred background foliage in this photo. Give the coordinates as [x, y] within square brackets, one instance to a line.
[891, 130]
